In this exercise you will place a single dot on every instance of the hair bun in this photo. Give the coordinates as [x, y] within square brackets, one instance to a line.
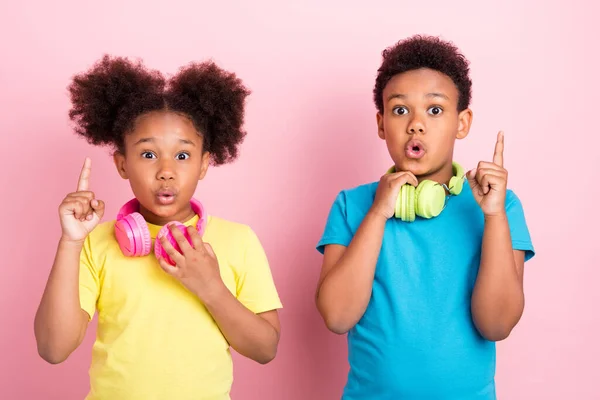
[101, 97]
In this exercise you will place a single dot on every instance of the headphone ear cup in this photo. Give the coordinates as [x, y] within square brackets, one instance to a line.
[159, 250]
[398, 208]
[405, 204]
[133, 235]
[124, 235]
[430, 199]
[455, 185]
[142, 234]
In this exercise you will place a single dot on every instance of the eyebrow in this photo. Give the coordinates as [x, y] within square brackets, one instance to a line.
[150, 140]
[403, 96]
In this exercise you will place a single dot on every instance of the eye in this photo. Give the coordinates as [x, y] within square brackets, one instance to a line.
[148, 155]
[401, 110]
[435, 110]
[183, 156]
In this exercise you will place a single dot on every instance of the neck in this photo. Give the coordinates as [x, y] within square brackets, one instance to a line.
[441, 175]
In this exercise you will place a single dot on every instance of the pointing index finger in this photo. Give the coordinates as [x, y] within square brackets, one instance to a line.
[84, 176]
[499, 150]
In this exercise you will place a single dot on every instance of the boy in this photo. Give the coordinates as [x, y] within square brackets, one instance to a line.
[424, 297]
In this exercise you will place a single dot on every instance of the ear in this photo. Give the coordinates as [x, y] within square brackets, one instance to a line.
[380, 130]
[465, 118]
[119, 159]
[204, 164]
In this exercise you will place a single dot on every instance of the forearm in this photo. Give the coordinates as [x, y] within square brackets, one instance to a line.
[248, 333]
[58, 321]
[498, 299]
[345, 291]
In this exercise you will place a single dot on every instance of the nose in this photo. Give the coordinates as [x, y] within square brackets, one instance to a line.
[416, 126]
[166, 171]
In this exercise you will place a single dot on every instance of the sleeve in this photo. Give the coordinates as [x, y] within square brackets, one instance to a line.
[337, 230]
[255, 285]
[519, 232]
[89, 286]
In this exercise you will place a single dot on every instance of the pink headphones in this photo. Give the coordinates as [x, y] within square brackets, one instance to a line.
[133, 235]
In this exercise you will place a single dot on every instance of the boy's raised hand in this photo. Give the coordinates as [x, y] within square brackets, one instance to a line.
[80, 212]
[196, 267]
[489, 181]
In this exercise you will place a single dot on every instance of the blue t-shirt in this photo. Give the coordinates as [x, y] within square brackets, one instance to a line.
[417, 339]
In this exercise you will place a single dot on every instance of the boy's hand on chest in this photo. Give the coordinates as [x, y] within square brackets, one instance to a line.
[197, 267]
[489, 182]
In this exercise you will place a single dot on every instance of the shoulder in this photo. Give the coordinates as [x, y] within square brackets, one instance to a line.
[100, 242]
[513, 203]
[350, 207]
[512, 198]
[366, 190]
[103, 233]
[234, 243]
[225, 231]
[514, 208]
[358, 197]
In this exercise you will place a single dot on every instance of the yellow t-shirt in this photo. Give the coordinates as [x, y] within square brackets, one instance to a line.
[155, 339]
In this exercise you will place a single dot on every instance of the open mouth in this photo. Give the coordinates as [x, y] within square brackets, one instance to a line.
[414, 149]
[165, 196]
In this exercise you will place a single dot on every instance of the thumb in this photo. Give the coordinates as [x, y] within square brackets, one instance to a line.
[98, 207]
[471, 178]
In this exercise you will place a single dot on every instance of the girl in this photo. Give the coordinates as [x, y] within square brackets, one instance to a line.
[171, 296]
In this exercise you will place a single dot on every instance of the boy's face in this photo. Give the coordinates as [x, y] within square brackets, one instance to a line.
[163, 161]
[420, 123]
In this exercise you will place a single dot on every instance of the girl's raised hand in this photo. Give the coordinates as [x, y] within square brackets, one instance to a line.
[80, 212]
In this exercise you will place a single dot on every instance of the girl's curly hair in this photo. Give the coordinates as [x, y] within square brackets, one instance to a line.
[109, 97]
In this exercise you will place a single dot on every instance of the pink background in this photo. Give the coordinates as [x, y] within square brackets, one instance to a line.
[312, 132]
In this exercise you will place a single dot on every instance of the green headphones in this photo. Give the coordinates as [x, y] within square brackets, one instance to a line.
[428, 199]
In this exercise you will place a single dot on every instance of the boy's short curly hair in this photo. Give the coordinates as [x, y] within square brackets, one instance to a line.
[110, 96]
[419, 52]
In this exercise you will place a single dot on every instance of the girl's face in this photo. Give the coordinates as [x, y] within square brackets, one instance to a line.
[164, 160]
